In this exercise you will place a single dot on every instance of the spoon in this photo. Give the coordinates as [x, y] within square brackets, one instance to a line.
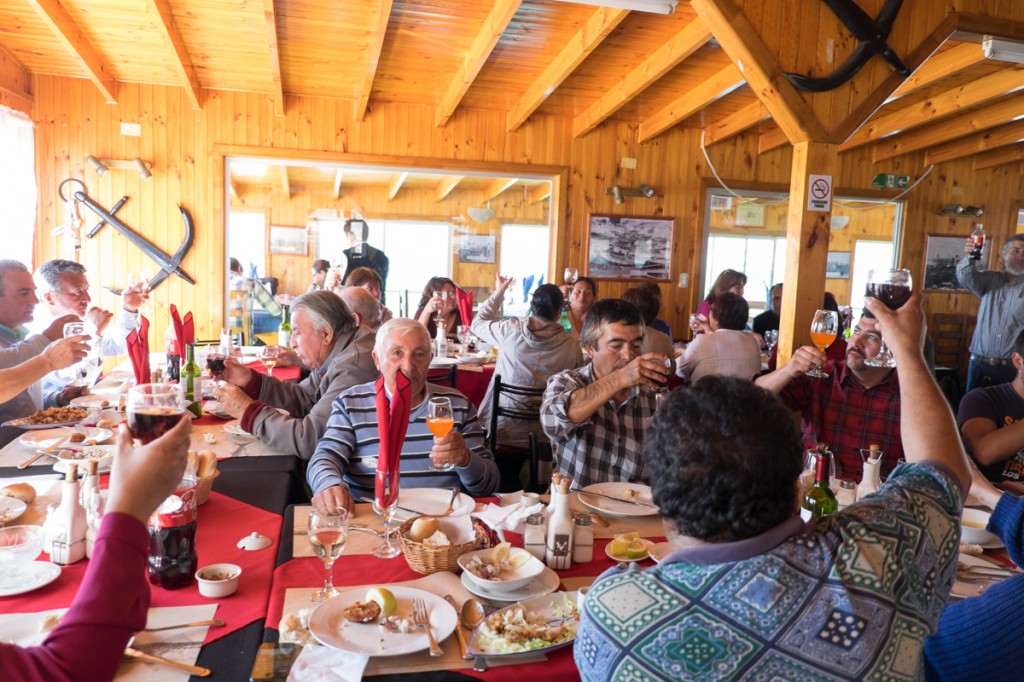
[451, 502]
[459, 629]
[471, 616]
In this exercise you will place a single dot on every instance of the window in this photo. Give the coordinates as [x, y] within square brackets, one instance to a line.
[867, 256]
[761, 259]
[247, 237]
[524, 255]
[18, 185]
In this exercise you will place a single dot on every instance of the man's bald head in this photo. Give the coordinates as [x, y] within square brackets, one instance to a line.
[362, 303]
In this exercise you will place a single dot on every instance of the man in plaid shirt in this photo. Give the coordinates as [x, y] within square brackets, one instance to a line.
[855, 407]
[596, 415]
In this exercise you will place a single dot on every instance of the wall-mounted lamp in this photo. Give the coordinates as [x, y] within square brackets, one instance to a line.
[619, 193]
[103, 166]
[961, 211]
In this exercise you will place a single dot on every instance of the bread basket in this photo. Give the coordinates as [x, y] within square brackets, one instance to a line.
[204, 486]
[427, 559]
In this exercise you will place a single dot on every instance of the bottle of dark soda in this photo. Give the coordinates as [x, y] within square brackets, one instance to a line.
[978, 240]
[172, 537]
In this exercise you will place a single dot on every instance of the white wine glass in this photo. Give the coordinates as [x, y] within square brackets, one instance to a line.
[824, 329]
[440, 422]
[327, 532]
[268, 356]
[771, 337]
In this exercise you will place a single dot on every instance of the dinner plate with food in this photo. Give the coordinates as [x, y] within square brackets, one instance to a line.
[378, 621]
[545, 583]
[539, 624]
[49, 418]
[619, 498]
[104, 454]
[65, 437]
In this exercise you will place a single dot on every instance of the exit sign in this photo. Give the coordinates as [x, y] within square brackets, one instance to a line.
[890, 181]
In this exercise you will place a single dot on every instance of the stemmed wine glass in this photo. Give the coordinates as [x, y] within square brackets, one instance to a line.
[571, 275]
[268, 356]
[327, 531]
[771, 337]
[891, 287]
[80, 368]
[442, 295]
[661, 392]
[824, 329]
[153, 409]
[440, 423]
[215, 358]
[464, 333]
[386, 550]
[140, 280]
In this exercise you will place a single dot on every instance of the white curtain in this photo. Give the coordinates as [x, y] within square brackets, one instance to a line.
[17, 184]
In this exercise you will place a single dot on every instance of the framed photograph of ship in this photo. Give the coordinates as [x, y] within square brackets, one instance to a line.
[629, 247]
[941, 255]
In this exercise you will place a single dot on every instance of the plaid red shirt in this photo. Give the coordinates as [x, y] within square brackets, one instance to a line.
[841, 412]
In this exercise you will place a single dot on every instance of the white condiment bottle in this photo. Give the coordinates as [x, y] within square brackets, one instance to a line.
[65, 533]
[90, 487]
[442, 341]
[558, 553]
[582, 539]
[535, 535]
[871, 479]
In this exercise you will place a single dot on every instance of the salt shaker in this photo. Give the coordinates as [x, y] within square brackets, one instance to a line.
[582, 539]
[535, 535]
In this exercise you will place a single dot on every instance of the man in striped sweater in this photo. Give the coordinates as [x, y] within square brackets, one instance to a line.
[345, 461]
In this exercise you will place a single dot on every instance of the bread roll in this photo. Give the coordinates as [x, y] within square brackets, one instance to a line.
[22, 491]
[423, 527]
[207, 463]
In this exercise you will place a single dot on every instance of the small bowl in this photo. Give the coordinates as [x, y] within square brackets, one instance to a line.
[973, 525]
[511, 579]
[222, 580]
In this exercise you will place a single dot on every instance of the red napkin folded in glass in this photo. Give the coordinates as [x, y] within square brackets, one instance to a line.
[392, 423]
[465, 301]
[138, 351]
[184, 329]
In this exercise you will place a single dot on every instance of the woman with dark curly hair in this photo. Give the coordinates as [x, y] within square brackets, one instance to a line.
[727, 350]
[439, 297]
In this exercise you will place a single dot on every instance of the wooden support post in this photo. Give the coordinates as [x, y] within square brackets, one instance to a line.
[807, 237]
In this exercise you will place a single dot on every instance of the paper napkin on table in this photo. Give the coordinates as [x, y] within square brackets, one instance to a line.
[318, 663]
[458, 525]
[511, 517]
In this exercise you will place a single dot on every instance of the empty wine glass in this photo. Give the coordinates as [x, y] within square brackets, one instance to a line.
[386, 550]
[139, 280]
[465, 334]
[327, 532]
[19, 547]
[891, 287]
[440, 423]
[771, 337]
[571, 275]
[824, 329]
[81, 368]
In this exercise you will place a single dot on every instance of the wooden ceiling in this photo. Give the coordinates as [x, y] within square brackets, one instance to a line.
[521, 57]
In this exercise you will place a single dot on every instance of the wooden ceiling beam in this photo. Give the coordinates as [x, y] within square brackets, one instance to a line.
[396, 184]
[955, 127]
[948, 103]
[940, 66]
[15, 79]
[735, 123]
[338, 176]
[539, 193]
[710, 90]
[71, 37]
[375, 38]
[498, 186]
[285, 184]
[446, 186]
[678, 48]
[601, 23]
[770, 139]
[975, 144]
[182, 61]
[277, 88]
[494, 26]
[743, 44]
[998, 157]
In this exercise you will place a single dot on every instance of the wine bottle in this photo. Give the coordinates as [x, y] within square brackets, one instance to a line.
[820, 500]
[284, 331]
[192, 382]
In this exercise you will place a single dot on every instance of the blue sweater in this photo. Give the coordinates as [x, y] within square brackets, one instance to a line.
[978, 637]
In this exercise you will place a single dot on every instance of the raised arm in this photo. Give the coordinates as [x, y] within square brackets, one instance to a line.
[58, 355]
[803, 360]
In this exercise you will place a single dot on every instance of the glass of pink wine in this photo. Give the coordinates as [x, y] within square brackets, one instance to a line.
[440, 423]
[824, 330]
[327, 532]
[891, 287]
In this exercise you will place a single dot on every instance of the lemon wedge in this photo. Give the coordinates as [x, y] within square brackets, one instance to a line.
[636, 550]
[517, 557]
[385, 599]
[500, 552]
[620, 545]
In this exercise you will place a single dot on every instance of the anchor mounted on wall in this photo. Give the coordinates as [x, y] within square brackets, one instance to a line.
[168, 264]
[872, 35]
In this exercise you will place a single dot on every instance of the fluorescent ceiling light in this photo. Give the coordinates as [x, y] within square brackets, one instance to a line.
[1003, 50]
[653, 6]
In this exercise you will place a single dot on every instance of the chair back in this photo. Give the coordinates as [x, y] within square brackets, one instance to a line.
[442, 376]
[516, 406]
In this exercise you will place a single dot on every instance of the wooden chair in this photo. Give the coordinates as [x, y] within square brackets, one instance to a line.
[442, 376]
[510, 458]
[951, 334]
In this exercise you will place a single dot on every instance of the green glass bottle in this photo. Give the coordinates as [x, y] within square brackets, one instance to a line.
[820, 500]
[564, 319]
[284, 330]
[192, 381]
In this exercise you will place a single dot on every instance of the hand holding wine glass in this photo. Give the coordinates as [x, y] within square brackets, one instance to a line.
[571, 275]
[327, 531]
[153, 409]
[891, 287]
[824, 329]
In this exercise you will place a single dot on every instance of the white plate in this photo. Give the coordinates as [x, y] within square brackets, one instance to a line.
[370, 639]
[443, 362]
[618, 489]
[44, 439]
[429, 502]
[962, 589]
[89, 402]
[10, 509]
[546, 583]
[104, 454]
[616, 557]
[552, 607]
[235, 429]
[661, 550]
[22, 423]
[39, 574]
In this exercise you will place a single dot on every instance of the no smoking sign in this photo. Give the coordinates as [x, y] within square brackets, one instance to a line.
[819, 198]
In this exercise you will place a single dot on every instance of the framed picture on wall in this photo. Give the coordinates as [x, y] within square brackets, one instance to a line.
[477, 248]
[838, 265]
[629, 247]
[288, 240]
[941, 255]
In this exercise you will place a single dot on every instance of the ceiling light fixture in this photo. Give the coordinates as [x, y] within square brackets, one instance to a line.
[1003, 50]
[652, 6]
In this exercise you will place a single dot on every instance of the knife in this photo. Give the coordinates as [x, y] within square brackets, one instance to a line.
[405, 509]
[618, 499]
[458, 628]
[193, 669]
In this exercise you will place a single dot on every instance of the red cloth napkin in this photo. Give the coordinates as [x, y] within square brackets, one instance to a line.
[184, 329]
[393, 422]
[465, 301]
[138, 351]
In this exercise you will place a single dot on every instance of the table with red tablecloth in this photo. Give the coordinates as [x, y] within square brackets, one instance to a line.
[472, 381]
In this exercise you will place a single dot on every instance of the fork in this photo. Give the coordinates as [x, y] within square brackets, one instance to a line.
[421, 618]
